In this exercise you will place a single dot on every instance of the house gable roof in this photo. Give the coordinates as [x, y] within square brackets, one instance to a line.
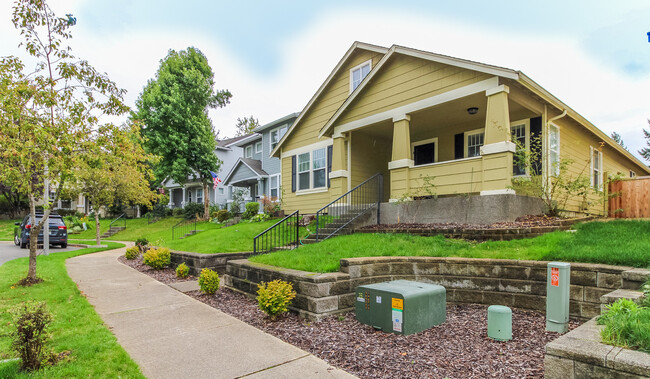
[444, 59]
[356, 45]
[276, 123]
[254, 165]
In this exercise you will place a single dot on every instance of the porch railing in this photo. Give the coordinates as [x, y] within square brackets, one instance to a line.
[340, 213]
[119, 221]
[284, 234]
[183, 228]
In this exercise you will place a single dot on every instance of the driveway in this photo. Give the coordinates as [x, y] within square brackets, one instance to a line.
[9, 251]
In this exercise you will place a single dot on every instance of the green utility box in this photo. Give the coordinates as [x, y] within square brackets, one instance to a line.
[401, 306]
[558, 285]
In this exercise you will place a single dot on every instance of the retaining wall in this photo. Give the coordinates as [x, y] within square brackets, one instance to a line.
[520, 284]
[196, 262]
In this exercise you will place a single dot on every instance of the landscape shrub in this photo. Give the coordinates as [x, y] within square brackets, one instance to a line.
[626, 324]
[191, 210]
[177, 212]
[270, 205]
[132, 252]
[223, 215]
[208, 281]
[31, 321]
[251, 210]
[182, 271]
[142, 244]
[157, 258]
[260, 217]
[274, 297]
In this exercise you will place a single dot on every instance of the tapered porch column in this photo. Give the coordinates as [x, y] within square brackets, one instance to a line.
[401, 158]
[339, 175]
[497, 151]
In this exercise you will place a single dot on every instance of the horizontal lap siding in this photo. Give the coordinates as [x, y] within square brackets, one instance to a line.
[448, 178]
[405, 80]
[306, 132]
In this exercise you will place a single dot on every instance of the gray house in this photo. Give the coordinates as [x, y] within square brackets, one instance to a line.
[256, 170]
[229, 152]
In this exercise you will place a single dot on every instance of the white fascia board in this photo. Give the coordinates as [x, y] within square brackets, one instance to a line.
[306, 148]
[455, 94]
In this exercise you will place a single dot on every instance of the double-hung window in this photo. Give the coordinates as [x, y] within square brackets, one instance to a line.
[274, 186]
[358, 73]
[519, 138]
[249, 151]
[276, 135]
[554, 150]
[474, 142]
[199, 195]
[312, 169]
[596, 169]
[258, 147]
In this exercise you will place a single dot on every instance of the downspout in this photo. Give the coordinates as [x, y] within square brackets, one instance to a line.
[556, 118]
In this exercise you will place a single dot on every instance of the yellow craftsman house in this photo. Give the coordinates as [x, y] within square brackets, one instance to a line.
[428, 120]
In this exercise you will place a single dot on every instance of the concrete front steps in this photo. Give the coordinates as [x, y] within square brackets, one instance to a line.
[191, 233]
[111, 231]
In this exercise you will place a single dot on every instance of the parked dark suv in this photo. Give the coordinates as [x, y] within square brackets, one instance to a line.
[58, 231]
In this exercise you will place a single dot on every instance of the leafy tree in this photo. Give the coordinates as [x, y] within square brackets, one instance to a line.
[645, 152]
[246, 125]
[116, 171]
[47, 116]
[15, 201]
[173, 109]
[617, 137]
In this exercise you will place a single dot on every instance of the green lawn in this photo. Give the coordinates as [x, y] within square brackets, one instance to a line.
[620, 242]
[94, 351]
[7, 230]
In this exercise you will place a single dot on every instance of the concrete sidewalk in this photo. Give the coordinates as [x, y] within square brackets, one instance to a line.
[171, 335]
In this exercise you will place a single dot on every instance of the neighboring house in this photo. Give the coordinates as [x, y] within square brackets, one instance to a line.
[257, 171]
[413, 115]
[228, 153]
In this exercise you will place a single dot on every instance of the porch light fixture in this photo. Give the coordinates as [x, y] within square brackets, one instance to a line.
[472, 110]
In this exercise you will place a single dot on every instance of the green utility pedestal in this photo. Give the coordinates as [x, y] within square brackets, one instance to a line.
[499, 322]
[401, 306]
[558, 275]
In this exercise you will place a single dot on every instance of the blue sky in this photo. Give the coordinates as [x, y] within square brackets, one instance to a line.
[593, 55]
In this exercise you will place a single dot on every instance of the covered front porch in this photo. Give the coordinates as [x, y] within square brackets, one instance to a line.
[462, 143]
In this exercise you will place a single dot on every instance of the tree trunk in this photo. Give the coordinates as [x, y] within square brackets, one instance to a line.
[99, 242]
[33, 241]
[206, 202]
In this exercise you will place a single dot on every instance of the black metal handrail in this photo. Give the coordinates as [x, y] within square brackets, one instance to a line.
[341, 212]
[183, 228]
[120, 218]
[284, 234]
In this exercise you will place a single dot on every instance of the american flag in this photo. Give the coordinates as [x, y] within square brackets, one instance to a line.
[215, 180]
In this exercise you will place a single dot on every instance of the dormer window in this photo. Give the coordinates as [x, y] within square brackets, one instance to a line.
[358, 73]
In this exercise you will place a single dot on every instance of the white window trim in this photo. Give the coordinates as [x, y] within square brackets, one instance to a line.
[470, 133]
[357, 67]
[258, 147]
[278, 129]
[311, 170]
[279, 176]
[632, 174]
[425, 142]
[526, 123]
[593, 169]
[196, 193]
[549, 163]
[221, 191]
[248, 152]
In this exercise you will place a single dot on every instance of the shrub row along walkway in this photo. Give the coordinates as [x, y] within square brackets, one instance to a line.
[171, 335]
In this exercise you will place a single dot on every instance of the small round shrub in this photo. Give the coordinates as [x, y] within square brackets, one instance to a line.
[223, 215]
[132, 252]
[251, 210]
[142, 243]
[191, 210]
[182, 271]
[157, 258]
[274, 297]
[208, 281]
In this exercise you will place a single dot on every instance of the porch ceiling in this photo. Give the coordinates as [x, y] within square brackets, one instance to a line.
[451, 114]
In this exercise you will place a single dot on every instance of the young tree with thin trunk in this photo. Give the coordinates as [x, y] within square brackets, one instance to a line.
[116, 169]
[47, 114]
[246, 125]
[173, 109]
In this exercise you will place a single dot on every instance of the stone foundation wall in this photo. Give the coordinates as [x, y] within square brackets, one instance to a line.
[196, 262]
[520, 284]
[475, 235]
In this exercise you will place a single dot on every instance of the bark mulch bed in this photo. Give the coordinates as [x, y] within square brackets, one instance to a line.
[459, 348]
[167, 275]
[531, 221]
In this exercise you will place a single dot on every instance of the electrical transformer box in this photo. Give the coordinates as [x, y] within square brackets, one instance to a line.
[401, 306]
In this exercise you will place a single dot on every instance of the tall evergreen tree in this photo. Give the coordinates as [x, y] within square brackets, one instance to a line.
[173, 109]
[645, 152]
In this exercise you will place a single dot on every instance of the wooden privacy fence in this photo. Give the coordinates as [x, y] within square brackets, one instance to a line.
[629, 198]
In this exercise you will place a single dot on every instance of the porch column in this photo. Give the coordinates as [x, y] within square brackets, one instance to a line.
[171, 199]
[81, 206]
[401, 158]
[497, 151]
[262, 193]
[339, 175]
[183, 201]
